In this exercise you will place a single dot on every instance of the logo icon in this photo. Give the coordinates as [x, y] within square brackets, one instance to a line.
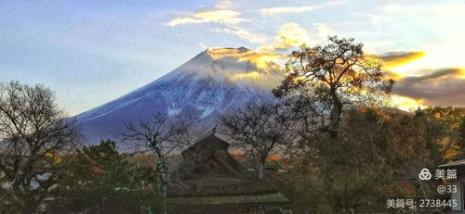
[425, 174]
[442, 189]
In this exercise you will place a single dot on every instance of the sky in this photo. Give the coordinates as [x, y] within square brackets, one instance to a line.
[90, 52]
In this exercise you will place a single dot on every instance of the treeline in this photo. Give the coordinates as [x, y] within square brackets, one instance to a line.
[331, 140]
[377, 156]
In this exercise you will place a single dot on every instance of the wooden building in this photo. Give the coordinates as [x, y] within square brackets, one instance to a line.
[210, 180]
[458, 196]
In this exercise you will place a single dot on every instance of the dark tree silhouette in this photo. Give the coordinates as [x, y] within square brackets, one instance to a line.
[33, 135]
[260, 128]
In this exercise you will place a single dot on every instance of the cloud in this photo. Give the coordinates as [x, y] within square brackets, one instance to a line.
[394, 59]
[243, 34]
[448, 9]
[261, 67]
[422, 84]
[324, 30]
[283, 10]
[435, 75]
[289, 35]
[224, 4]
[220, 16]
[436, 87]
[297, 9]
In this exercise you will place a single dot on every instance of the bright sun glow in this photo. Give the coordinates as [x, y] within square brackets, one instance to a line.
[406, 103]
[436, 57]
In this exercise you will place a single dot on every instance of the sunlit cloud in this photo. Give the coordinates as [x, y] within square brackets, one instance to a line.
[243, 34]
[265, 61]
[281, 10]
[395, 59]
[436, 57]
[261, 61]
[324, 30]
[435, 75]
[261, 67]
[461, 73]
[292, 35]
[424, 80]
[289, 35]
[229, 19]
[220, 16]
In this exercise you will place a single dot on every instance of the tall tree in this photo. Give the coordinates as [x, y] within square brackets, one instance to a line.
[260, 128]
[323, 83]
[33, 134]
[161, 136]
[334, 75]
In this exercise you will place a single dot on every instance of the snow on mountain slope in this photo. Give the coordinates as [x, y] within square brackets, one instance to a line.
[214, 81]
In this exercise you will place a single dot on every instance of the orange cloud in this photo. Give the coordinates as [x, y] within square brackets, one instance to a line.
[396, 59]
[262, 68]
[461, 73]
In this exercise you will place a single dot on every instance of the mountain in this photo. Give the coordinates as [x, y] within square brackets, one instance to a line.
[206, 86]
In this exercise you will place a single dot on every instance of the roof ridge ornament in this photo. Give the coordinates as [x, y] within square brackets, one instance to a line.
[214, 129]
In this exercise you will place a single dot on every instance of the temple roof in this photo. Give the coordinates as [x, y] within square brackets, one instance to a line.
[458, 163]
[209, 174]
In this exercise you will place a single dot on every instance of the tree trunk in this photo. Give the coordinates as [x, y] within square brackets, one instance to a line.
[163, 195]
[261, 170]
[163, 185]
[261, 166]
[335, 115]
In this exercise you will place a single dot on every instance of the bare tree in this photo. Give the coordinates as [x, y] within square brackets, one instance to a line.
[336, 75]
[160, 136]
[260, 128]
[307, 124]
[33, 134]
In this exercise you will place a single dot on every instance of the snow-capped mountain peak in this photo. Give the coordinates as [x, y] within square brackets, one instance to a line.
[206, 86]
